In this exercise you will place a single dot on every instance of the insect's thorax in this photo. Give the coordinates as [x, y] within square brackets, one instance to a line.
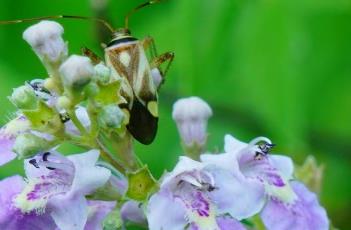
[129, 63]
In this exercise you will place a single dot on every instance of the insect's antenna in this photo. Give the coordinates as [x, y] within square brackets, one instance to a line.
[126, 20]
[103, 22]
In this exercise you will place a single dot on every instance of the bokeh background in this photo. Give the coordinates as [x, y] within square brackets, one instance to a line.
[276, 68]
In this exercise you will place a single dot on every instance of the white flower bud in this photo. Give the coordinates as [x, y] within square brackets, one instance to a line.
[24, 97]
[102, 72]
[46, 40]
[27, 145]
[76, 71]
[63, 103]
[111, 116]
[191, 115]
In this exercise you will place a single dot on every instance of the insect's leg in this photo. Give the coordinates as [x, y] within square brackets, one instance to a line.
[163, 58]
[149, 44]
[90, 54]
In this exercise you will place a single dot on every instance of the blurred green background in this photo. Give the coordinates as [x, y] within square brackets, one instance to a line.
[276, 68]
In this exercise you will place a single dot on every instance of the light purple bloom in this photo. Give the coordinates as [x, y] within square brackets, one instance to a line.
[12, 218]
[8, 135]
[185, 198]
[306, 213]
[251, 176]
[97, 212]
[132, 211]
[58, 185]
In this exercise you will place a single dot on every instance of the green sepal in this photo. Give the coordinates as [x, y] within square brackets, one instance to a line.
[310, 173]
[44, 119]
[141, 184]
[27, 145]
[109, 93]
[113, 221]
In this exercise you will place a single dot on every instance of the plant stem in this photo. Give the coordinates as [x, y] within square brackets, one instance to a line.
[107, 157]
[72, 114]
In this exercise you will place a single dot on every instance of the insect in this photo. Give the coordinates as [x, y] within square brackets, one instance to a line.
[141, 76]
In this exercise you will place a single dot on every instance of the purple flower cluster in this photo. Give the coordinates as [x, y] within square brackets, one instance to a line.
[107, 187]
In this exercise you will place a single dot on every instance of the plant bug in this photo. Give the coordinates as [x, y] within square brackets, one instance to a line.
[141, 78]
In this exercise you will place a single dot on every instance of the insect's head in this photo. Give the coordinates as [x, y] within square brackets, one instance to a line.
[123, 34]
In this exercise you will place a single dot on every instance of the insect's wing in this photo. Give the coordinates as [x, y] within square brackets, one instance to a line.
[144, 113]
[130, 64]
[142, 124]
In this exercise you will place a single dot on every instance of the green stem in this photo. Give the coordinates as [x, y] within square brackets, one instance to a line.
[108, 157]
[94, 127]
[123, 147]
[72, 114]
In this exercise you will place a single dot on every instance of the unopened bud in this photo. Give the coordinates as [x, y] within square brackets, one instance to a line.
[76, 71]
[103, 73]
[191, 116]
[64, 102]
[27, 145]
[46, 40]
[111, 116]
[24, 97]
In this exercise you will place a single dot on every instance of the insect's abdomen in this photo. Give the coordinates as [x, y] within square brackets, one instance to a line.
[129, 63]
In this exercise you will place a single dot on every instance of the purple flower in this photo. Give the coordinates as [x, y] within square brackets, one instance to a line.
[185, 198]
[58, 185]
[8, 135]
[306, 213]
[251, 175]
[12, 218]
[259, 178]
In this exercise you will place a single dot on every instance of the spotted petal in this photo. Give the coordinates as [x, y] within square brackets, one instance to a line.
[12, 218]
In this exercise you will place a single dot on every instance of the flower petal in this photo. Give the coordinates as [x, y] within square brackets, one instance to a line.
[132, 211]
[8, 135]
[83, 117]
[283, 164]
[97, 212]
[227, 223]
[306, 213]
[87, 177]
[69, 212]
[165, 212]
[6, 154]
[185, 164]
[240, 198]
[232, 145]
[10, 217]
